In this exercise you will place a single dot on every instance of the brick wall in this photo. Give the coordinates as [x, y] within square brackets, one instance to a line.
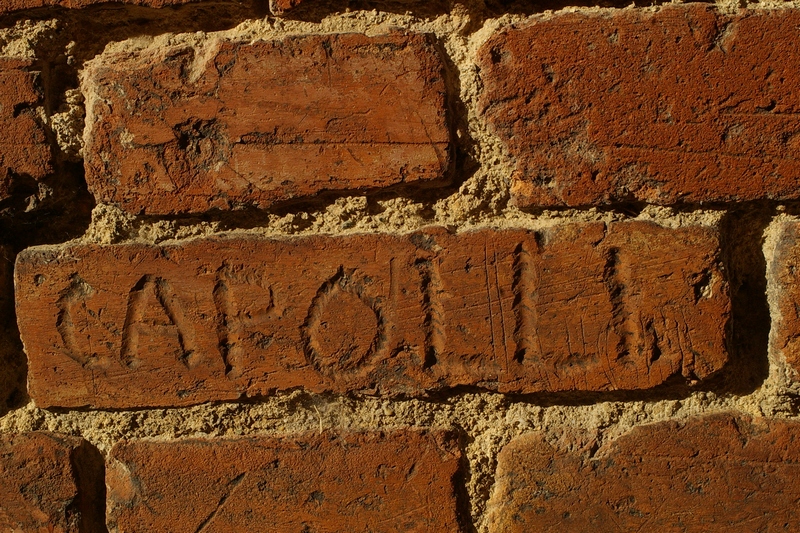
[313, 266]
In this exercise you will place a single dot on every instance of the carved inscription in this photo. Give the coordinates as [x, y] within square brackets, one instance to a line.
[76, 315]
[156, 316]
[513, 311]
[245, 301]
[431, 288]
[527, 341]
[344, 327]
[614, 277]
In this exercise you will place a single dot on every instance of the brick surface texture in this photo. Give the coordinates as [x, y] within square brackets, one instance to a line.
[678, 105]
[228, 124]
[515, 311]
[785, 273]
[402, 481]
[328, 266]
[718, 473]
[24, 150]
[280, 7]
[38, 488]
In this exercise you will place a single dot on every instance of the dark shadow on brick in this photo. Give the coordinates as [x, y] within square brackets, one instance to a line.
[13, 365]
[742, 234]
[461, 482]
[51, 211]
[89, 468]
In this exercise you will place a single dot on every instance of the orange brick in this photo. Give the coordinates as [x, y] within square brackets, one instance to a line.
[580, 307]
[784, 271]
[228, 124]
[24, 150]
[718, 473]
[48, 483]
[682, 104]
[279, 7]
[401, 481]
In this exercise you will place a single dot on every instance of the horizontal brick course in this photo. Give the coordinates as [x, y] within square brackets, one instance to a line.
[401, 481]
[40, 475]
[24, 150]
[679, 104]
[576, 307]
[226, 124]
[719, 473]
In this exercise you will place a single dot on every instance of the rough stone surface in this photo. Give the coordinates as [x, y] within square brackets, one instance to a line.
[362, 482]
[578, 307]
[24, 151]
[39, 491]
[224, 124]
[715, 473]
[682, 104]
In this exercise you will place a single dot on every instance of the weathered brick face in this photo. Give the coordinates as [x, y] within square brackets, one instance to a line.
[225, 124]
[784, 273]
[24, 151]
[400, 481]
[41, 488]
[678, 105]
[563, 309]
[719, 473]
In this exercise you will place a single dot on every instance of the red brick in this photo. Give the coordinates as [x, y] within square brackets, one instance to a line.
[576, 307]
[784, 271]
[402, 481]
[229, 124]
[279, 7]
[7, 6]
[39, 478]
[719, 473]
[24, 150]
[679, 104]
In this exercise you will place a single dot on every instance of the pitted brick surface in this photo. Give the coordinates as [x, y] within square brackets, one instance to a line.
[24, 150]
[682, 104]
[718, 473]
[39, 485]
[370, 482]
[227, 125]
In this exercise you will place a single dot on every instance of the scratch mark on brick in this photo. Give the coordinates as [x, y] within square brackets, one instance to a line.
[233, 485]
